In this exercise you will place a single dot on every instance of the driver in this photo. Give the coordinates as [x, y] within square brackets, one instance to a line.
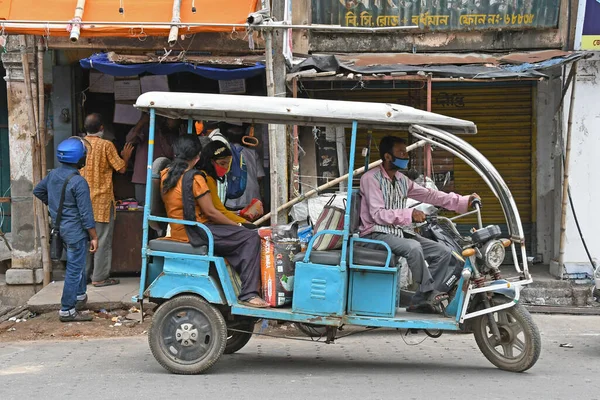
[385, 217]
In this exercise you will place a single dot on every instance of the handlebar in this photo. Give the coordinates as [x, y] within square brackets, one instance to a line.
[476, 204]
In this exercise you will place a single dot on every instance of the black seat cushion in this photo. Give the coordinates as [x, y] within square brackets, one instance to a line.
[362, 256]
[172, 246]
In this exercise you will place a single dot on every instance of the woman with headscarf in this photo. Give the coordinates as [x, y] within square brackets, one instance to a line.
[215, 162]
[186, 195]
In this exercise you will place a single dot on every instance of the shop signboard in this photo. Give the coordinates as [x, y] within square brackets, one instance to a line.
[439, 15]
[589, 24]
[234, 86]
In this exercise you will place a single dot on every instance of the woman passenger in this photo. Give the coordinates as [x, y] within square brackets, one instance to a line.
[186, 195]
[215, 162]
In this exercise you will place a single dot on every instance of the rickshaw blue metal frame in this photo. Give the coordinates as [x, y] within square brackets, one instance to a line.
[173, 274]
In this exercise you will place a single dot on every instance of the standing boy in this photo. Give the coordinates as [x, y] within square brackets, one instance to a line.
[77, 227]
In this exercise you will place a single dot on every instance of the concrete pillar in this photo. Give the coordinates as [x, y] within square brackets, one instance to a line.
[548, 95]
[26, 267]
[583, 172]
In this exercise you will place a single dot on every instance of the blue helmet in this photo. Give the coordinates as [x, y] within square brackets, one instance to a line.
[71, 151]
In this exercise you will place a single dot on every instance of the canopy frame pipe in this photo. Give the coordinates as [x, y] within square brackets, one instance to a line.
[61, 25]
[76, 26]
[174, 32]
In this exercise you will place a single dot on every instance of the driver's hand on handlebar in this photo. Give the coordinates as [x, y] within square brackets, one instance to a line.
[473, 198]
[418, 216]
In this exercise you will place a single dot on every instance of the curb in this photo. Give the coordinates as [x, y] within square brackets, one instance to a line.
[594, 310]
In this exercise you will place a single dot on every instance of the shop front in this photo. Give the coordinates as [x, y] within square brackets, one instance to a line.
[51, 90]
[503, 106]
[109, 84]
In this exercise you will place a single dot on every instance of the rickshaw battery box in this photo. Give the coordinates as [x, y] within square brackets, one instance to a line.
[277, 266]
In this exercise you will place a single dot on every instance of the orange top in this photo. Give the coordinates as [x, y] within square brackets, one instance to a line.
[214, 194]
[102, 159]
[151, 11]
[174, 204]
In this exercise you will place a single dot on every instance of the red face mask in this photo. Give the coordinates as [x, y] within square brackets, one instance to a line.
[221, 171]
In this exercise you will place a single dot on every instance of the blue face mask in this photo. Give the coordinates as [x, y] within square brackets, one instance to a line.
[401, 163]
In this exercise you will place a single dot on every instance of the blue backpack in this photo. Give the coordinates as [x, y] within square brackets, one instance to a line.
[238, 174]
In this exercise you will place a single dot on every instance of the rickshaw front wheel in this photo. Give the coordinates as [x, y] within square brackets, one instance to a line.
[188, 335]
[520, 344]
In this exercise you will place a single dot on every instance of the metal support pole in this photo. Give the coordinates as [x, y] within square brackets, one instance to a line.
[174, 32]
[565, 185]
[16, 25]
[148, 202]
[295, 161]
[427, 150]
[349, 196]
[275, 71]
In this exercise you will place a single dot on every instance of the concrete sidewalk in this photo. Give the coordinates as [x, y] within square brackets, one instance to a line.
[108, 298]
[546, 290]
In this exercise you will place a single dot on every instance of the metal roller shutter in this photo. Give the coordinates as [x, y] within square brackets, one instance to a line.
[504, 117]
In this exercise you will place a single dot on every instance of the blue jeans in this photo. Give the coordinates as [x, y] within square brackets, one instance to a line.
[75, 280]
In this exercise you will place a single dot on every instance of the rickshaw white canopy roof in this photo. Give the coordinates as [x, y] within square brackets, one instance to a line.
[294, 111]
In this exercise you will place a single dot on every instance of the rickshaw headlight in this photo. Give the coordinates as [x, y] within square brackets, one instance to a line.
[493, 253]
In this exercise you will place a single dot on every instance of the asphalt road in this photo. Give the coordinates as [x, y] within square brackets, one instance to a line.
[377, 365]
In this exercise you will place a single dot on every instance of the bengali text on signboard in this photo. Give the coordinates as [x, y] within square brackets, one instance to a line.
[439, 14]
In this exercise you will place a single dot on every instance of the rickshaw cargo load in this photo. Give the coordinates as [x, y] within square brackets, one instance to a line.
[277, 266]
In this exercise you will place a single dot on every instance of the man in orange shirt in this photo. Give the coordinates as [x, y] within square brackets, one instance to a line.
[102, 160]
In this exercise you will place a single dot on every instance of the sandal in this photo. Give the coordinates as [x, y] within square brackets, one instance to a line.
[437, 299]
[433, 305]
[255, 302]
[106, 282]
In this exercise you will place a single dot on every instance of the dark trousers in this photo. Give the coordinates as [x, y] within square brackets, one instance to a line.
[417, 249]
[100, 263]
[75, 283]
[241, 247]
[140, 193]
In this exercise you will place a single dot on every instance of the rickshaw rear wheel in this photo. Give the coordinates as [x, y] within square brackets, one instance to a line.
[520, 342]
[237, 340]
[187, 335]
[313, 331]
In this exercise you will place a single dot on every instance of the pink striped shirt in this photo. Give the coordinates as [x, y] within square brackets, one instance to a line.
[383, 203]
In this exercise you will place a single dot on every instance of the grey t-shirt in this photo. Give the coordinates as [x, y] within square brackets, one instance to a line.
[255, 171]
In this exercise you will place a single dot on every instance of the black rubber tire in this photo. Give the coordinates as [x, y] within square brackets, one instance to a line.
[531, 343]
[215, 335]
[313, 331]
[237, 340]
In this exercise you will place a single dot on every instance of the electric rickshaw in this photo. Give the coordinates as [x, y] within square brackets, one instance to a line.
[199, 317]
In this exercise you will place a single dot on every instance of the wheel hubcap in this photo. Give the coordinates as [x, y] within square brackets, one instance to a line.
[186, 334]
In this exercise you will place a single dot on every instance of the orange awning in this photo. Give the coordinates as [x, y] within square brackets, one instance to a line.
[36, 17]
